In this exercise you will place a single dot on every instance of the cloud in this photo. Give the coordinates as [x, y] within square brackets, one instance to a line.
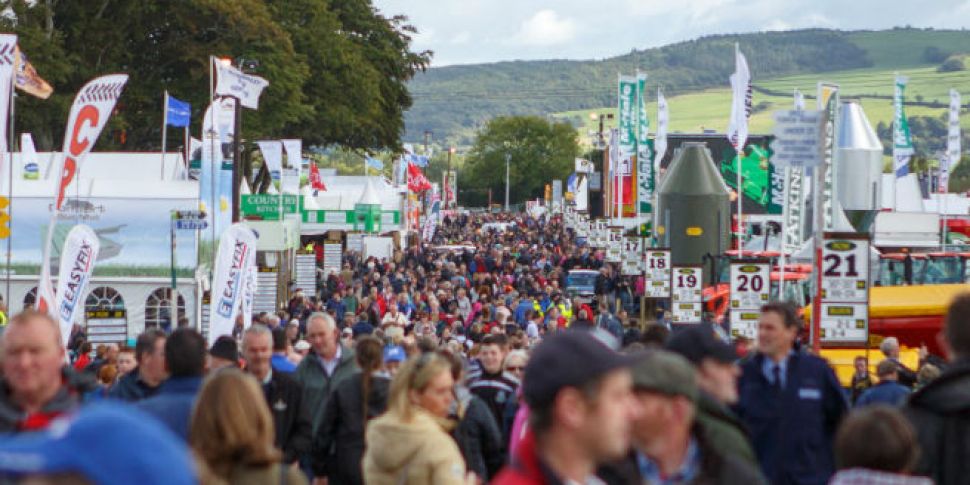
[546, 28]
[461, 38]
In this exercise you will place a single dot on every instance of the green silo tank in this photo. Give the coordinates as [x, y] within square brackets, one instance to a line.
[694, 215]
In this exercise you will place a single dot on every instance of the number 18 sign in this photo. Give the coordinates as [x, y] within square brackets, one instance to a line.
[686, 300]
[656, 265]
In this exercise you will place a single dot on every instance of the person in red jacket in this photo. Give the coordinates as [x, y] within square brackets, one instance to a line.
[580, 415]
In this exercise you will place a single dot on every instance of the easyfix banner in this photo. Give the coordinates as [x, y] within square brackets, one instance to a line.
[79, 253]
[237, 248]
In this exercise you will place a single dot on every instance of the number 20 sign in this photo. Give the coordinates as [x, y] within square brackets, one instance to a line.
[845, 268]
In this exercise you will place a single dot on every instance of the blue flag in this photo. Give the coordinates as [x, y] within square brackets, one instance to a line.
[374, 163]
[178, 113]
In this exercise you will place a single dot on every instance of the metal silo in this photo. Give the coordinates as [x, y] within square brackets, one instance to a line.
[858, 167]
[694, 209]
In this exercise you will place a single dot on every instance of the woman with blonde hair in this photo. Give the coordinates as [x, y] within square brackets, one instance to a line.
[232, 433]
[409, 445]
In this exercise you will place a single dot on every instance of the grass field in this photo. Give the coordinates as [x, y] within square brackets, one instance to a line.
[709, 109]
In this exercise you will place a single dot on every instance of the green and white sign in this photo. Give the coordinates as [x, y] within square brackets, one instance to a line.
[645, 175]
[267, 206]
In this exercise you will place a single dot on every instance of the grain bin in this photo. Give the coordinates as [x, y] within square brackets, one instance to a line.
[694, 209]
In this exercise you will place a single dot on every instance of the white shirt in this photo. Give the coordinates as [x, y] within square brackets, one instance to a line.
[331, 365]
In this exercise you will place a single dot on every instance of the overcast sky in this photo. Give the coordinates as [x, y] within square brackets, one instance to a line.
[474, 31]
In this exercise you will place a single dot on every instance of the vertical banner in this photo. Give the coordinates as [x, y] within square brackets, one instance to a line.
[645, 174]
[78, 254]
[28, 157]
[828, 101]
[8, 46]
[626, 146]
[89, 113]
[660, 142]
[294, 158]
[229, 279]
[953, 149]
[272, 151]
[799, 101]
[902, 142]
[226, 128]
[249, 289]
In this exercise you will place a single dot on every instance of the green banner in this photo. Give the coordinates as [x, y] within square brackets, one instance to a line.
[267, 206]
[626, 104]
[645, 175]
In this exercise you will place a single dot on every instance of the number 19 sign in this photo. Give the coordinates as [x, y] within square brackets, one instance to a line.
[845, 288]
[686, 300]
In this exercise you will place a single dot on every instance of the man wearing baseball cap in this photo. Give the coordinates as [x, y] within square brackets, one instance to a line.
[715, 363]
[669, 446]
[578, 392]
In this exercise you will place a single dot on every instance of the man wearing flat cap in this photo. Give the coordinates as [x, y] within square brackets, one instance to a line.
[669, 446]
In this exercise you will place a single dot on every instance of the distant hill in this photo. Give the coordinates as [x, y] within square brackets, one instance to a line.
[452, 102]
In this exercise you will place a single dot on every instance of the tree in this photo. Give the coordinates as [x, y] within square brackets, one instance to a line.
[952, 64]
[337, 68]
[539, 150]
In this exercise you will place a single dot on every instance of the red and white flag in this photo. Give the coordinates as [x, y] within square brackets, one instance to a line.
[417, 182]
[316, 181]
[90, 112]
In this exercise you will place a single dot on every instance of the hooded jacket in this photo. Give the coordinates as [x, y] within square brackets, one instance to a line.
[414, 452]
[940, 413]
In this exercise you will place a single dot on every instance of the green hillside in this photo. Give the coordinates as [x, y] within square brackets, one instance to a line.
[453, 102]
[709, 109]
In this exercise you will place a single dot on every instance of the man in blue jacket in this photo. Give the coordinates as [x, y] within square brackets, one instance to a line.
[185, 359]
[889, 391]
[791, 402]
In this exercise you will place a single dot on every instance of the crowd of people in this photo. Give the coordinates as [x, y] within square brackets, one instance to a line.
[468, 360]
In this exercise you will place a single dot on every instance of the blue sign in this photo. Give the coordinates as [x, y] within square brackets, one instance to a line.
[189, 224]
[178, 113]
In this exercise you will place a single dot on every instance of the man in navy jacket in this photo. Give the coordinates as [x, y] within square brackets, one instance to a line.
[791, 402]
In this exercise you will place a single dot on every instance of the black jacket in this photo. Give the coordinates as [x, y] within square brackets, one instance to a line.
[338, 446]
[291, 417]
[479, 437]
[715, 469]
[131, 388]
[940, 413]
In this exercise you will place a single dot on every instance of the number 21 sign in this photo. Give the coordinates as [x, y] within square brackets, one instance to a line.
[845, 268]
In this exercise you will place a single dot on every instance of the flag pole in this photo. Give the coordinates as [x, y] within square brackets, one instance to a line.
[13, 98]
[738, 150]
[212, 161]
[164, 132]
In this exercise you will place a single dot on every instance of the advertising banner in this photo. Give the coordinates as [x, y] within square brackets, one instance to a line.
[902, 141]
[645, 175]
[89, 113]
[77, 263]
[229, 279]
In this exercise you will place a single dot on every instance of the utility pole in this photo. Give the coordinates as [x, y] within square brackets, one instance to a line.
[508, 158]
[450, 187]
